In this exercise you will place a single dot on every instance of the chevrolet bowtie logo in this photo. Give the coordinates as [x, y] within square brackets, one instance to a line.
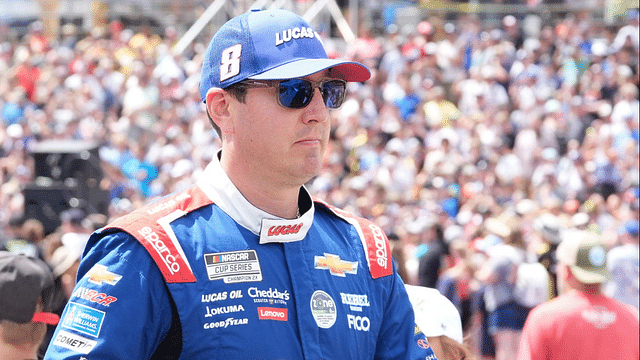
[335, 266]
[99, 274]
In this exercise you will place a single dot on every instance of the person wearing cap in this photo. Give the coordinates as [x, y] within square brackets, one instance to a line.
[506, 315]
[549, 231]
[26, 289]
[623, 263]
[245, 264]
[439, 319]
[581, 323]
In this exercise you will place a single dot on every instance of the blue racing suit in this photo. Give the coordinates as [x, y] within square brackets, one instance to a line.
[203, 274]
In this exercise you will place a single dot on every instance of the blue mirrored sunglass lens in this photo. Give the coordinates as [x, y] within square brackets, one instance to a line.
[297, 93]
[295, 96]
[333, 94]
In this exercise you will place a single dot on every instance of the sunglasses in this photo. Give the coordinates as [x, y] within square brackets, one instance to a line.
[298, 93]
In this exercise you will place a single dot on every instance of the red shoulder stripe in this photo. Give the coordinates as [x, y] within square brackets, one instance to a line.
[374, 241]
[150, 226]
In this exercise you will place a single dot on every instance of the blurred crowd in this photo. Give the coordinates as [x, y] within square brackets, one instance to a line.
[465, 137]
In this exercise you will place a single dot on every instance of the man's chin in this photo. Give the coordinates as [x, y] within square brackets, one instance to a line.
[310, 168]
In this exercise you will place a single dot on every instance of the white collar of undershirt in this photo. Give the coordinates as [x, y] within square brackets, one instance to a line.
[215, 183]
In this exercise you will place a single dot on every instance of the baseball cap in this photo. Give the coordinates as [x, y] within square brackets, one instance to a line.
[270, 44]
[435, 314]
[23, 280]
[548, 226]
[586, 256]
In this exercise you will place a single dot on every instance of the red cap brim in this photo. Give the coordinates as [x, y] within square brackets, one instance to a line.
[45, 318]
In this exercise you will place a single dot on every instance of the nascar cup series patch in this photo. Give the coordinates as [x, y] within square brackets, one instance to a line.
[233, 266]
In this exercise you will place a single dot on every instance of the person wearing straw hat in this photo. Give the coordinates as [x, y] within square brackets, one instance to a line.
[581, 323]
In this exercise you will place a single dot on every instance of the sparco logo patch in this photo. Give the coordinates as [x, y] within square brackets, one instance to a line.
[151, 226]
[382, 255]
[336, 266]
[158, 245]
[233, 266]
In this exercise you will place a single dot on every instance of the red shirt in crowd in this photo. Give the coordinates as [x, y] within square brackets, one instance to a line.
[580, 326]
[27, 76]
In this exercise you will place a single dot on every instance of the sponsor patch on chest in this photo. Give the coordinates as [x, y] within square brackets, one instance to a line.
[335, 265]
[233, 266]
[273, 313]
[323, 309]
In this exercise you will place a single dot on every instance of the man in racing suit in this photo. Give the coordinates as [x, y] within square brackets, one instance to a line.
[245, 264]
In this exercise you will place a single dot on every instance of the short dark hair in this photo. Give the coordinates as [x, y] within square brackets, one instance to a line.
[239, 92]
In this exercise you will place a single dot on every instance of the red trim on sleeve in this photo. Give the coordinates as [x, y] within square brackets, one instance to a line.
[143, 224]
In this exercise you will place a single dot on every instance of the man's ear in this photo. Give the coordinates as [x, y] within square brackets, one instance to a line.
[218, 107]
